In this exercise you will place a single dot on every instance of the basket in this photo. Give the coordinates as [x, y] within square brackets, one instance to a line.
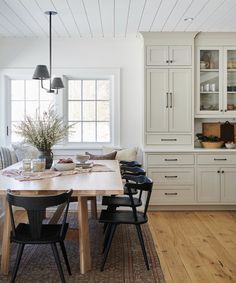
[212, 144]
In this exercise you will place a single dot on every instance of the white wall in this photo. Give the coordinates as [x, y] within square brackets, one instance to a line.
[125, 54]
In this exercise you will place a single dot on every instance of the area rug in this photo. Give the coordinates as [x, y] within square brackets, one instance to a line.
[125, 263]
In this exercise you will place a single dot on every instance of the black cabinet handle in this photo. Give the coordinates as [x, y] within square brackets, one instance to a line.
[223, 172]
[167, 100]
[220, 159]
[171, 194]
[171, 159]
[221, 110]
[218, 171]
[225, 110]
[167, 61]
[168, 139]
[171, 176]
[171, 61]
[171, 99]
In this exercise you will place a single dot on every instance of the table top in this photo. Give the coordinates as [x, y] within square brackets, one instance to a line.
[83, 184]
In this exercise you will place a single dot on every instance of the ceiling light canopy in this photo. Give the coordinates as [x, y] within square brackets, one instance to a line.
[188, 19]
[41, 72]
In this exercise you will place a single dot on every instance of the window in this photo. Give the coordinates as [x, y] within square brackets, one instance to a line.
[89, 110]
[26, 99]
[90, 101]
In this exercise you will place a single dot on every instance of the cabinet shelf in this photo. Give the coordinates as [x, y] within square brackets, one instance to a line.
[209, 92]
[209, 70]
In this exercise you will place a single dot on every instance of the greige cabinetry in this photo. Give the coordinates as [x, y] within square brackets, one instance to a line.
[216, 178]
[173, 55]
[173, 177]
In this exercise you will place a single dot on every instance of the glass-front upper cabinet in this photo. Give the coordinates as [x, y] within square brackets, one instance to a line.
[216, 82]
[209, 84]
[230, 79]
[209, 81]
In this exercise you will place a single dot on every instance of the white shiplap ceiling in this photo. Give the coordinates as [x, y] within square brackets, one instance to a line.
[114, 18]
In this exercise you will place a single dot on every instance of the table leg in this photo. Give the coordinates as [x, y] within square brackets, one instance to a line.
[93, 203]
[85, 257]
[6, 241]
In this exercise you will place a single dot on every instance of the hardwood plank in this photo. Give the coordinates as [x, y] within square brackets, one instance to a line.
[6, 242]
[202, 242]
[163, 236]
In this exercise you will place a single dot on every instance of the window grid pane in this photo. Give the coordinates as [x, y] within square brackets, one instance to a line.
[27, 99]
[93, 102]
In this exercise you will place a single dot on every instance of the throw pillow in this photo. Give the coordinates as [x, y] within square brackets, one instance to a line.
[25, 151]
[109, 156]
[128, 154]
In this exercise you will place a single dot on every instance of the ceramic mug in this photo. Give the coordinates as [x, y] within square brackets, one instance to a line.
[213, 87]
[207, 87]
[204, 65]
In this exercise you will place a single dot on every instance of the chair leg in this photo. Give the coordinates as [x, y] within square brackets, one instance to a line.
[57, 259]
[108, 245]
[110, 208]
[63, 249]
[17, 262]
[140, 236]
[107, 234]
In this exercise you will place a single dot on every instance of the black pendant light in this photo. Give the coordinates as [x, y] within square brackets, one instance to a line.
[41, 72]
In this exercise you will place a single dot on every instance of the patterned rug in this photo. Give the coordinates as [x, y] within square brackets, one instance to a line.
[125, 263]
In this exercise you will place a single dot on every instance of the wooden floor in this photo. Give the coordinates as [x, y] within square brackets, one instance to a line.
[192, 246]
[195, 246]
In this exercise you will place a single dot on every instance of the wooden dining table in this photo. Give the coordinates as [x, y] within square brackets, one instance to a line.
[84, 185]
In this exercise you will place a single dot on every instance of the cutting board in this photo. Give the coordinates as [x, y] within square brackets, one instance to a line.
[221, 130]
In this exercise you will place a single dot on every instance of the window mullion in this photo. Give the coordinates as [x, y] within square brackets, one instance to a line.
[81, 109]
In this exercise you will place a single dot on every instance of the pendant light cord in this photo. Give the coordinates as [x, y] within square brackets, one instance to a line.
[50, 50]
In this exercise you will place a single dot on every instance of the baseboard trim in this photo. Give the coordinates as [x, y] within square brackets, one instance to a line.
[190, 207]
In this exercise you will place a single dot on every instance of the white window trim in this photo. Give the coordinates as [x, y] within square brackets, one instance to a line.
[61, 100]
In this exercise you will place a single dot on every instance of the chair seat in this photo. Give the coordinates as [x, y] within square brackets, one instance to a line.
[121, 217]
[50, 233]
[119, 201]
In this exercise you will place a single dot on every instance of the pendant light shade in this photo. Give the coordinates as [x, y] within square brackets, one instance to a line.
[57, 83]
[41, 72]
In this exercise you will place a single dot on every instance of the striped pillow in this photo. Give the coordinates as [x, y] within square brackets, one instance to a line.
[5, 157]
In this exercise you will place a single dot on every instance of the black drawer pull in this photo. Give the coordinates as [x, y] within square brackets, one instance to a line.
[168, 139]
[171, 176]
[171, 194]
[171, 159]
[220, 159]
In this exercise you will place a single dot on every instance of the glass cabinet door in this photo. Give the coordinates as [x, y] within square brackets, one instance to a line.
[210, 97]
[230, 104]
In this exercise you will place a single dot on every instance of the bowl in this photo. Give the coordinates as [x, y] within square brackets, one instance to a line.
[212, 144]
[230, 145]
[64, 166]
[82, 158]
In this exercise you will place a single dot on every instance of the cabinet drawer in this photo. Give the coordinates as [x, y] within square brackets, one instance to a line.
[172, 195]
[163, 139]
[169, 159]
[172, 176]
[219, 159]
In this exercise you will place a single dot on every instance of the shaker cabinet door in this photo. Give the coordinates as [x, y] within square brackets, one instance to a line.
[157, 100]
[157, 55]
[208, 185]
[180, 55]
[180, 105]
[228, 185]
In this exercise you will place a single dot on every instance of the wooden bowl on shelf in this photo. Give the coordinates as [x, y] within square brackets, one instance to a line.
[218, 144]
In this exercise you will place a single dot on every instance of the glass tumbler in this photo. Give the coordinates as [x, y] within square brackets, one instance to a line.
[26, 164]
